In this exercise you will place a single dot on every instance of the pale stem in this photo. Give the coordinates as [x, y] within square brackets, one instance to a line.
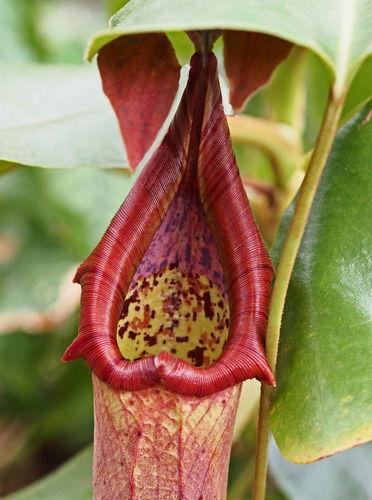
[279, 141]
[289, 253]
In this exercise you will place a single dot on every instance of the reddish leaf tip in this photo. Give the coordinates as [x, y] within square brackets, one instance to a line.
[250, 58]
[140, 75]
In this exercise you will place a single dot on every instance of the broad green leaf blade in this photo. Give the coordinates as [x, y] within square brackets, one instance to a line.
[71, 481]
[57, 116]
[323, 400]
[344, 476]
[340, 32]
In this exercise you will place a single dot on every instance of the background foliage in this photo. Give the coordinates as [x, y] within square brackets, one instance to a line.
[53, 114]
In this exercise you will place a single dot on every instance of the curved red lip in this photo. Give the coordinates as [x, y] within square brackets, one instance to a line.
[195, 156]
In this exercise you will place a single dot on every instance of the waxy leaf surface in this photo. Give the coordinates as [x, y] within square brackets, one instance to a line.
[57, 116]
[323, 401]
[340, 32]
[71, 480]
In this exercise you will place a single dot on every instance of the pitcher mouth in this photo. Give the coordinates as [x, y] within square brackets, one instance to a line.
[188, 211]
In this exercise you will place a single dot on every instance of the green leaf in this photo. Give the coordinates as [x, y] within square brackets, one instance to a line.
[19, 39]
[345, 476]
[113, 6]
[57, 116]
[73, 480]
[360, 90]
[323, 400]
[340, 32]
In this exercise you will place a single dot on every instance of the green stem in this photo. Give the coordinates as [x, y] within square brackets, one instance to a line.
[279, 141]
[289, 253]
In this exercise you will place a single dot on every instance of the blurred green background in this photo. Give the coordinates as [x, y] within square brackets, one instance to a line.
[49, 222]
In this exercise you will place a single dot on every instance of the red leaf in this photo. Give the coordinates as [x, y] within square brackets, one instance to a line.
[189, 190]
[140, 76]
[250, 59]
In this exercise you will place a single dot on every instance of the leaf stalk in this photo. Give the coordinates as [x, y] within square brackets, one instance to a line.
[279, 141]
[285, 267]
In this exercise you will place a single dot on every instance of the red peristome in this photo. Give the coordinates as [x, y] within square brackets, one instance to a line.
[197, 146]
[250, 58]
[140, 76]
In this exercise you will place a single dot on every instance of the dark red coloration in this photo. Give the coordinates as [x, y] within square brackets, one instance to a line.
[197, 146]
[203, 40]
[140, 76]
[250, 59]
